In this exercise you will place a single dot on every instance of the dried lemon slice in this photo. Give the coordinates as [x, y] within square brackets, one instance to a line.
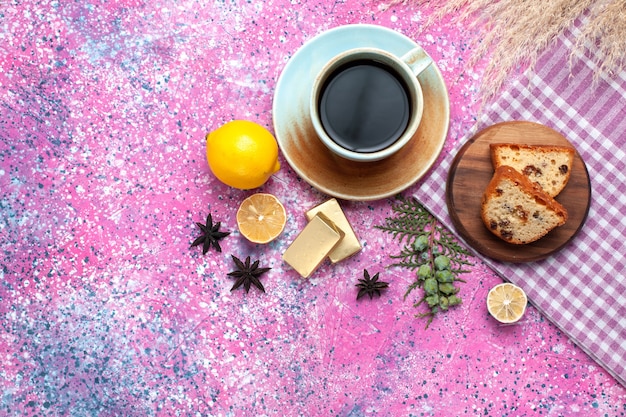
[261, 218]
[506, 302]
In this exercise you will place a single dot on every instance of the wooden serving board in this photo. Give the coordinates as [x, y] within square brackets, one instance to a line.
[472, 170]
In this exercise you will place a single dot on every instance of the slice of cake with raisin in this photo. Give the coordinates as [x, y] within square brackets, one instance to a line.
[547, 165]
[518, 210]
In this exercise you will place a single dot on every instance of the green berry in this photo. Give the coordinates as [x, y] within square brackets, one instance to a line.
[421, 243]
[424, 271]
[454, 300]
[442, 262]
[444, 303]
[444, 276]
[448, 288]
[432, 300]
[431, 286]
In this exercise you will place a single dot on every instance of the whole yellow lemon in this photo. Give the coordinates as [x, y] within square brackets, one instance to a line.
[242, 154]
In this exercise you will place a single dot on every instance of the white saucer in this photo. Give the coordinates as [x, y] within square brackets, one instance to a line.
[313, 162]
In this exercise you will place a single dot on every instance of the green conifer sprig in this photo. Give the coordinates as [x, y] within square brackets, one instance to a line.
[425, 240]
[410, 220]
[441, 242]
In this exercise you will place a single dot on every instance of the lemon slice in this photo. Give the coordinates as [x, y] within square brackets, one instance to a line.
[506, 302]
[261, 218]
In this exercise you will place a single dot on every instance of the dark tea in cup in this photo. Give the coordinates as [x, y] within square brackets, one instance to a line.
[366, 103]
[365, 106]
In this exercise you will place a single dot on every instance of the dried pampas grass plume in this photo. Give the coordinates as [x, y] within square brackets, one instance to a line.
[606, 33]
[514, 32]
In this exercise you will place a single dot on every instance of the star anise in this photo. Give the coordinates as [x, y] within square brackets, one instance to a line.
[247, 274]
[370, 286]
[210, 235]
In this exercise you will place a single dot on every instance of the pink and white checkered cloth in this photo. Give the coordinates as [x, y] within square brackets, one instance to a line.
[581, 289]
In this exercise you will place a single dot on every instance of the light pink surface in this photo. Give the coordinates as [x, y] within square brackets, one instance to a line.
[104, 308]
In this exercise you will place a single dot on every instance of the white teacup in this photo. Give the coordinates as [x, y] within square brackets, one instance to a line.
[367, 103]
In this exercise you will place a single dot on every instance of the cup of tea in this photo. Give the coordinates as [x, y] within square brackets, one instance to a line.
[367, 103]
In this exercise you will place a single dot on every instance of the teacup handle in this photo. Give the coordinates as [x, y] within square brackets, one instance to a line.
[417, 59]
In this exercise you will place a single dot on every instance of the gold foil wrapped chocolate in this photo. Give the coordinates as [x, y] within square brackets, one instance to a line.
[328, 234]
[350, 244]
[312, 245]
